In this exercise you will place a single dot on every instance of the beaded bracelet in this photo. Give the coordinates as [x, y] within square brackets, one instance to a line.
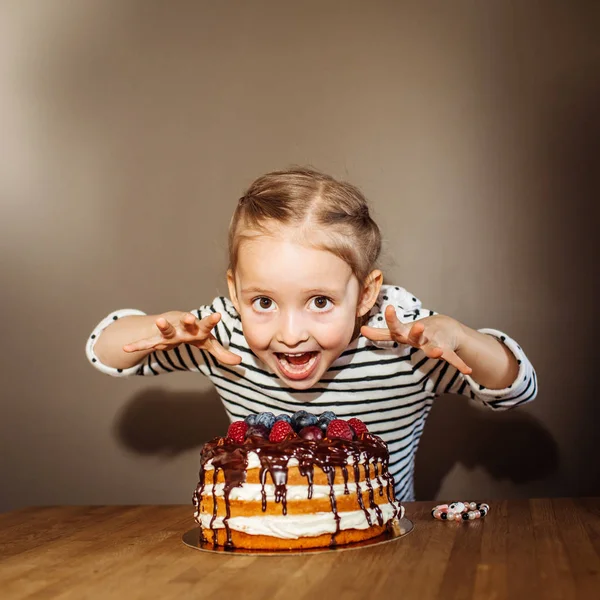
[460, 511]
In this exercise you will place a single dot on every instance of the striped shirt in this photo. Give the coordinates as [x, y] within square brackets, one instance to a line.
[389, 386]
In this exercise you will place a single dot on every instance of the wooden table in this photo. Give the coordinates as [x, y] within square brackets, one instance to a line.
[522, 549]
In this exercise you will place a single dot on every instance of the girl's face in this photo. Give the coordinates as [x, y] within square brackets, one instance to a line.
[298, 305]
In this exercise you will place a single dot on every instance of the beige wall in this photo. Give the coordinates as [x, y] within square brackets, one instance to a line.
[129, 129]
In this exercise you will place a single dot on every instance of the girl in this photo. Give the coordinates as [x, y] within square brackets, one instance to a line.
[310, 325]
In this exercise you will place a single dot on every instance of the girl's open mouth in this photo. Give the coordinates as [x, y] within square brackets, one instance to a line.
[297, 365]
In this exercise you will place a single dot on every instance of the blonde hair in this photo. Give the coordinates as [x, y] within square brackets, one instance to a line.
[308, 198]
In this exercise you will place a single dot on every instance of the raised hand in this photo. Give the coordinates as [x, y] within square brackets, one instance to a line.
[438, 336]
[175, 328]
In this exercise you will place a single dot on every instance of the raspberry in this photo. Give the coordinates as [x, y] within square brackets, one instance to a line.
[339, 429]
[237, 431]
[280, 431]
[357, 426]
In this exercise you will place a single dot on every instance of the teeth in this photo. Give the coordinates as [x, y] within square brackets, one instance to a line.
[293, 367]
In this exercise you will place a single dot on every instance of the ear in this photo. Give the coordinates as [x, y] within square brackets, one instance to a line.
[369, 293]
[232, 291]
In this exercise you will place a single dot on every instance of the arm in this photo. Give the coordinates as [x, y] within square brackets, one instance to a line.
[492, 364]
[520, 389]
[487, 364]
[109, 345]
[129, 342]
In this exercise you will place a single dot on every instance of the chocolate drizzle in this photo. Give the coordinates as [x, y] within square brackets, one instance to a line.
[345, 474]
[328, 455]
[372, 495]
[379, 483]
[197, 501]
[307, 469]
[277, 469]
[359, 492]
[330, 472]
[233, 463]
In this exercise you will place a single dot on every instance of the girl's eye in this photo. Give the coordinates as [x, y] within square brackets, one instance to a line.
[263, 304]
[321, 303]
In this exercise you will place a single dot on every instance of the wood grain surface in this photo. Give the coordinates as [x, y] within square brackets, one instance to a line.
[546, 548]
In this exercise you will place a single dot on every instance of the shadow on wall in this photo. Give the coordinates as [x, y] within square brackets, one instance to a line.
[509, 445]
[166, 423]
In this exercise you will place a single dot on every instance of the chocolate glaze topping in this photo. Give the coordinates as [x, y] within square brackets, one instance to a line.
[326, 454]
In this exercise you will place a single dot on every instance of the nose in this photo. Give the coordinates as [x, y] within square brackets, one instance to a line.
[292, 329]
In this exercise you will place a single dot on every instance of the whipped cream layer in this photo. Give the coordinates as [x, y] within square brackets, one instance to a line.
[253, 491]
[254, 462]
[292, 527]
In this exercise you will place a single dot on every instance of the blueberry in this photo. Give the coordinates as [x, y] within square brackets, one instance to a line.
[258, 430]
[302, 419]
[308, 421]
[326, 418]
[251, 420]
[267, 419]
[297, 415]
[327, 415]
[283, 417]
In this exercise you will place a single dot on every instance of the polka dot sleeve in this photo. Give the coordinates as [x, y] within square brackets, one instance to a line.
[407, 307]
[449, 380]
[91, 341]
[523, 389]
[182, 358]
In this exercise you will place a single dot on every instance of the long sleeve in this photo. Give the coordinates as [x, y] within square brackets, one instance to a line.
[523, 389]
[182, 358]
[448, 379]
